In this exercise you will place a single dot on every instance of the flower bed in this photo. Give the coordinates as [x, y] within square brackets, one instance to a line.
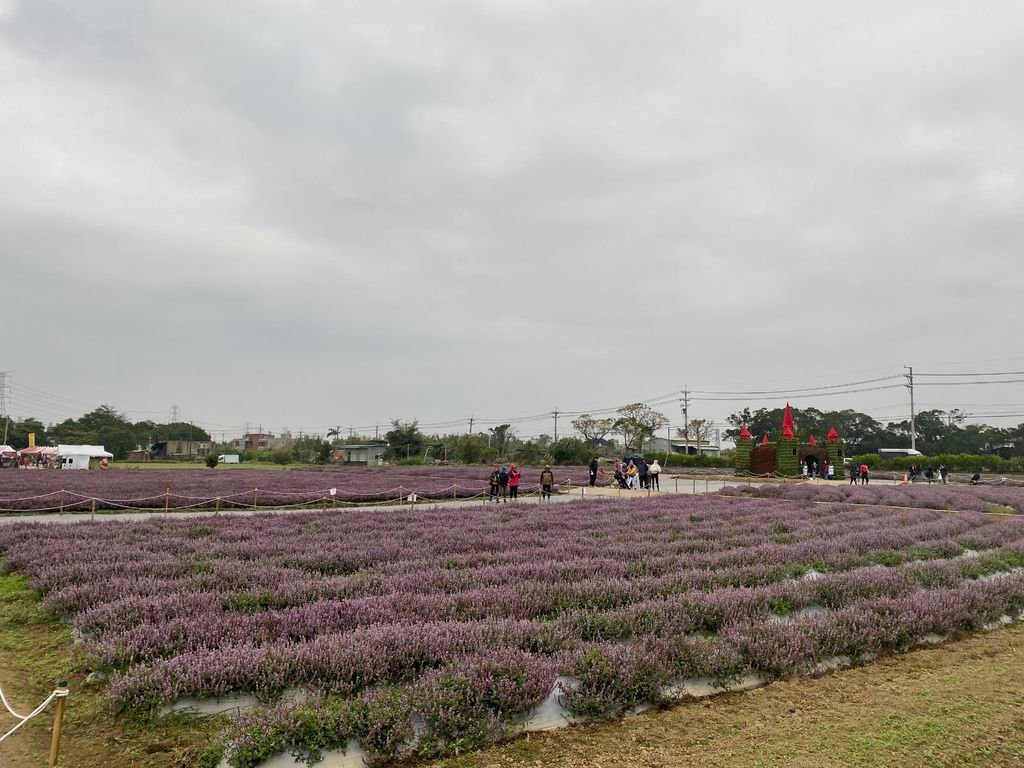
[22, 490]
[948, 497]
[461, 620]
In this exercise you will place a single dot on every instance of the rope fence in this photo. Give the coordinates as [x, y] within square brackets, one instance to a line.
[71, 501]
[59, 694]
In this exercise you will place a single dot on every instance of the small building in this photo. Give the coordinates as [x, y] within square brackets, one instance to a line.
[259, 441]
[680, 446]
[180, 449]
[83, 456]
[368, 455]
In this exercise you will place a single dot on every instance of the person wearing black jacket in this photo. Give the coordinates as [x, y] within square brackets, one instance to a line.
[492, 491]
[593, 472]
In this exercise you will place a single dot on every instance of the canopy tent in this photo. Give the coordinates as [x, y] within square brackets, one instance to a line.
[80, 456]
[6, 450]
[40, 450]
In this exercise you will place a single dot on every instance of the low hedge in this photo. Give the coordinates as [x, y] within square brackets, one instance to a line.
[957, 462]
[682, 460]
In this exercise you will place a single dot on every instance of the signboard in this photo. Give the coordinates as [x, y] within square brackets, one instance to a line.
[31, 439]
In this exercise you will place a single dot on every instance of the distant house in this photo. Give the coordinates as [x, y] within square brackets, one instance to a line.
[368, 455]
[678, 445]
[258, 441]
[179, 449]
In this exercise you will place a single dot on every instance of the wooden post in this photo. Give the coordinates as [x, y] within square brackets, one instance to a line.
[455, 489]
[92, 517]
[255, 497]
[58, 724]
[61, 499]
[705, 485]
[695, 485]
[216, 510]
[677, 484]
[167, 499]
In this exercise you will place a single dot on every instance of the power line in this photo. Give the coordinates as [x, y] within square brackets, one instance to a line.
[991, 373]
[969, 383]
[809, 395]
[797, 391]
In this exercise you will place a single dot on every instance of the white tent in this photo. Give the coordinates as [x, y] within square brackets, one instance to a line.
[6, 449]
[78, 456]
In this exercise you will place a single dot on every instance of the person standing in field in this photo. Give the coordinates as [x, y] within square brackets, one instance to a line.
[492, 491]
[547, 479]
[593, 472]
[514, 476]
[654, 470]
[503, 483]
[854, 474]
[943, 473]
[643, 471]
[864, 474]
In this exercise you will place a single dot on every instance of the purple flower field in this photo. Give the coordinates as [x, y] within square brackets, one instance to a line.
[22, 490]
[463, 619]
[979, 498]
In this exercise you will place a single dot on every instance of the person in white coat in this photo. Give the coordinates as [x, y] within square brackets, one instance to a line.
[653, 471]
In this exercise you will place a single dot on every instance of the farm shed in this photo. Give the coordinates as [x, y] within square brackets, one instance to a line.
[369, 455]
[82, 456]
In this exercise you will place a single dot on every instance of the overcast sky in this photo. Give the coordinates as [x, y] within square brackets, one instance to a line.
[300, 214]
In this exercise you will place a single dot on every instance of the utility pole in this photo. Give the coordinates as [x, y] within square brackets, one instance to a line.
[685, 408]
[4, 375]
[555, 414]
[471, 425]
[376, 432]
[174, 414]
[913, 426]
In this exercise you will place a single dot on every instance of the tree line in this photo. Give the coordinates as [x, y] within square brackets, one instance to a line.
[629, 430]
[938, 432]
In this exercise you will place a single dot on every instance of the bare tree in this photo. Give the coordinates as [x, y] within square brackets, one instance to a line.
[637, 423]
[700, 431]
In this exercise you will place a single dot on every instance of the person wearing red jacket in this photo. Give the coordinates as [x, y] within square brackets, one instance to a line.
[514, 476]
[864, 474]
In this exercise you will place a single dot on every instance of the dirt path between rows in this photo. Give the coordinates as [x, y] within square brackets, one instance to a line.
[957, 705]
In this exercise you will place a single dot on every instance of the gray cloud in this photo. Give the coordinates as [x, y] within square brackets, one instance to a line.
[343, 212]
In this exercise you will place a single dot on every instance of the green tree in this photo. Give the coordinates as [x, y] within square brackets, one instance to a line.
[404, 440]
[532, 452]
[18, 432]
[471, 449]
[282, 454]
[502, 434]
[570, 450]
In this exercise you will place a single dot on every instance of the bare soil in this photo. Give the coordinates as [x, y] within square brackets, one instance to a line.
[959, 705]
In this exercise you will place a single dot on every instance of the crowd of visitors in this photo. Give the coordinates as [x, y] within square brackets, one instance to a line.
[504, 482]
[635, 474]
[928, 474]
